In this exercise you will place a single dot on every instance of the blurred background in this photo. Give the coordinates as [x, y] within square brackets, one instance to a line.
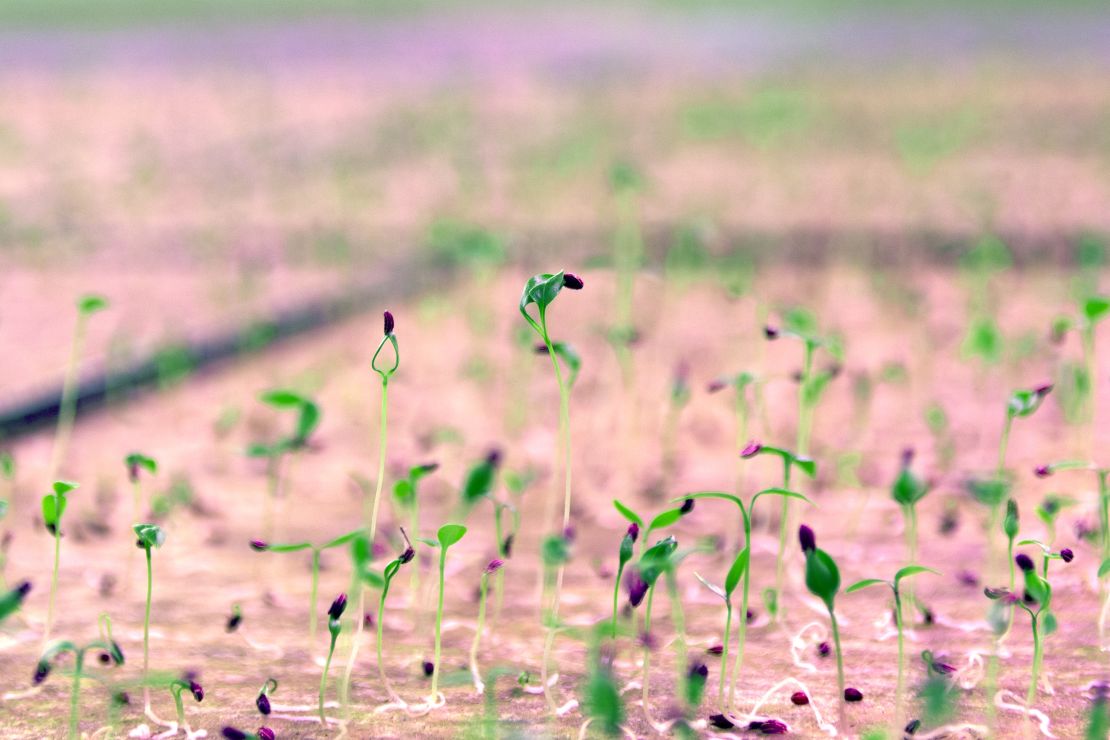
[212, 164]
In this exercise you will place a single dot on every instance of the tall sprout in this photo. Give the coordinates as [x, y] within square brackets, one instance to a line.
[87, 305]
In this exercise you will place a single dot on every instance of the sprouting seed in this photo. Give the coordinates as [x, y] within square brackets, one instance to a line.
[807, 539]
[265, 733]
[1024, 562]
[389, 324]
[851, 694]
[687, 506]
[428, 667]
[1067, 555]
[751, 450]
[721, 722]
[572, 281]
[799, 698]
[715, 649]
[235, 619]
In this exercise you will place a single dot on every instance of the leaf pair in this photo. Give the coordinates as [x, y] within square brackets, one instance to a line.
[149, 535]
[308, 418]
[54, 505]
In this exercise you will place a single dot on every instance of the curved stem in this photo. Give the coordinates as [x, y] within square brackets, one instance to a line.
[378, 646]
[54, 575]
[645, 679]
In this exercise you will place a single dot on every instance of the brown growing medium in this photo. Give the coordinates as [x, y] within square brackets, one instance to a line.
[206, 564]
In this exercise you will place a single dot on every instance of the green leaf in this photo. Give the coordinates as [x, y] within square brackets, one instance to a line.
[342, 539]
[63, 487]
[716, 495]
[150, 535]
[1011, 522]
[138, 460]
[289, 547]
[739, 566]
[479, 482]
[1050, 623]
[911, 570]
[554, 551]
[628, 514]
[626, 549]
[780, 492]
[1039, 589]
[656, 559]
[989, 491]
[822, 576]
[91, 303]
[372, 579]
[449, 534]
[541, 290]
[908, 489]
[570, 358]
[806, 465]
[770, 601]
[665, 519]
[1104, 568]
[426, 541]
[9, 603]
[282, 399]
[7, 465]
[361, 553]
[404, 492]
[695, 689]
[858, 585]
[1095, 309]
[307, 421]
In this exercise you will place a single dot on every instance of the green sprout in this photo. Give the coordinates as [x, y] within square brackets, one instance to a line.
[53, 507]
[388, 573]
[740, 570]
[494, 566]
[1010, 524]
[742, 406]
[335, 626]
[652, 564]
[87, 305]
[790, 461]
[11, 600]
[136, 462]
[636, 524]
[308, 418]
[177, 688]
[58, 648]
[823, 581]
[542, 290]
[371, 512]
[149, 537]
[909, 570]
[1037, 604]
[263, 546]
[906, 491]
[448, 535]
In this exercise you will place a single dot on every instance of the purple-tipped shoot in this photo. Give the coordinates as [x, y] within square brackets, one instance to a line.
[751, 450]
[572, 281]
[1024, 562]
[388, 322]
[807, 539]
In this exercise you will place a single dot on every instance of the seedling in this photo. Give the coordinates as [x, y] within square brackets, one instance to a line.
[387, 578]
[335, 611]
[1010, 524]
[177, 688]
[1051, 507]
[263, 546]
[308, 418]
[46, 664]
[262, 701]
[149, 537]
[790, 461]
[906, 491]
[87, 305]
[447, 536]
[823, 581]
[740, 570]
[53, 508]
[494, 566]
[652, 564]
[628, 542]
[906, 572]
[1036, 601]
[136, 462]
[542, 290]
[742, 407]
[371, 513]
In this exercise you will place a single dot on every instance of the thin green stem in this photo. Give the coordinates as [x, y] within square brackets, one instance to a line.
[679, 621]
[324, 677]
[645, 679]
[899, 690]
[75, 694]
[616, 595]
[54, 574]
[784, 524]
[839, 667]
[312, 596]
[146, 627]
[378, 645]
[911, 546]
[439, 622]
[1038, 656]
[67, 406]
[180, 707]
[1003, 444]
[743, 622]
[481, 626]
[724, 660]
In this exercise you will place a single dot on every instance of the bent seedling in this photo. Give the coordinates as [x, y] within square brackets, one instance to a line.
[335, 612]
[87, 305]
[135, 463]
[45, 665]
[386, 580]
[494, 566]
[823, 581]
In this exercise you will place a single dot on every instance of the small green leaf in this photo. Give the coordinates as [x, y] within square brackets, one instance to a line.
[665, 519]
[150, 535]
[628, 514]
[780, 492]
[138, 460]
[555, 551]
[91, 303]
[479, 482]
[908, 489]
[911, 570]
[1095, 309]
[770, 601]
[307, 421]
[858, 585]
[342, 539]
[822, 576]
[806, 465]
[541, 290]
[7, 465]
[63, 487]
[739, 567]
[282, 398]
[449, 534]
[404, 492]
[289, 547]
[10, 602]
[372, 579]
[1050, 623]
[1104, 568]
[570, 358]
[426, 541]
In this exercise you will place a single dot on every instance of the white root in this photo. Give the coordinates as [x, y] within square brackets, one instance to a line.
[948, 731]
[971, 674]
[826, 727]
[551, 681]
[799, 643]
[1017, 705]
